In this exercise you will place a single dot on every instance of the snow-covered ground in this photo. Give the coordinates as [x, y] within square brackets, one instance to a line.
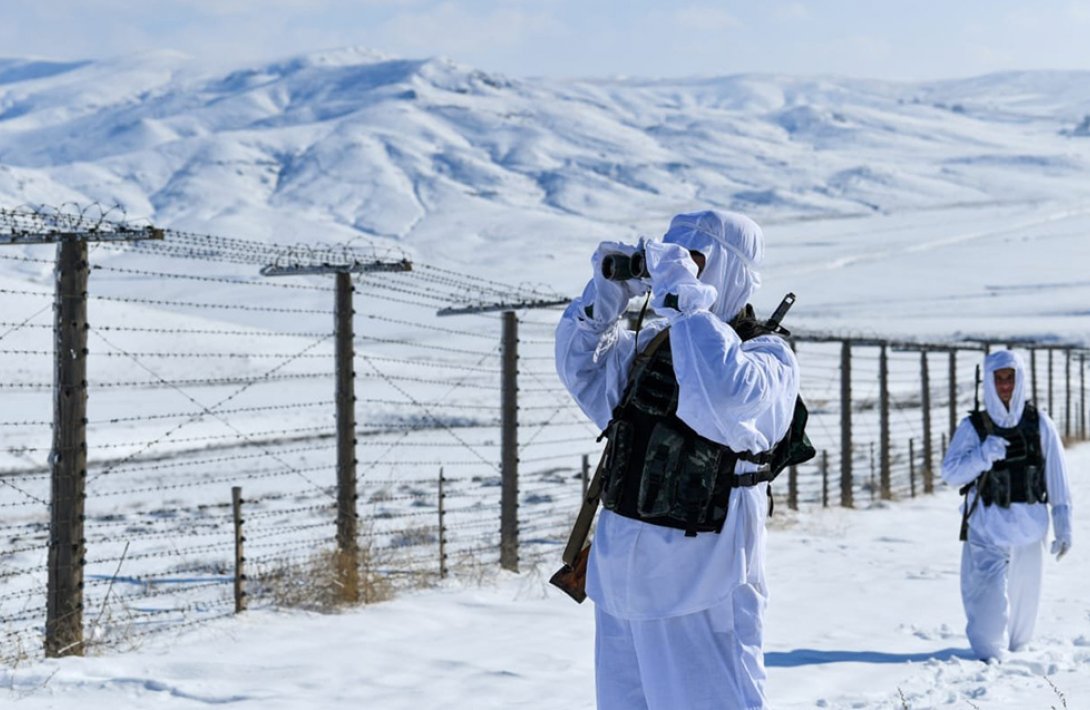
[865, 613]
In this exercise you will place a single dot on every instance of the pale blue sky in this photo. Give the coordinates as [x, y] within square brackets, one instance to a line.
[893, 39]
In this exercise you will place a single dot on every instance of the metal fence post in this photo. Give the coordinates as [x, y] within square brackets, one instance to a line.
[68, 459]
[1033, 373]
[871, 482]
[1067, 393]
[792, 471]
[442, 527]
[1051, 411]
[846, 494]
[1082, 395]
[953, 394]
[912, 468]
[509, 553]
[883, 440]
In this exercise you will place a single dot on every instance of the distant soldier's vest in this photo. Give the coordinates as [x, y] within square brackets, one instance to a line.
[660, 471]
[1020, 477]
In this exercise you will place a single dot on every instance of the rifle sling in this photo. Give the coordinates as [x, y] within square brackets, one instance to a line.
[581, 529]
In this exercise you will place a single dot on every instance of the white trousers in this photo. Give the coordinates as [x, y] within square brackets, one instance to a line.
[709, 660]
[1001, 590]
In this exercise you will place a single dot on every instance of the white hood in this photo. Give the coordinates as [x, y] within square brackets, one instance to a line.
[996, 410]
[733, 247]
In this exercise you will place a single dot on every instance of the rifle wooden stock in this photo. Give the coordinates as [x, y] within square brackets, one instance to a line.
[572, 577]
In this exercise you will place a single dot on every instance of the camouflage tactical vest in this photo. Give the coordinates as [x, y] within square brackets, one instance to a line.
[1020, 477]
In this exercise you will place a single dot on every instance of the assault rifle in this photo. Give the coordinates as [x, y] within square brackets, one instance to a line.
[572, 577]
[773, 323]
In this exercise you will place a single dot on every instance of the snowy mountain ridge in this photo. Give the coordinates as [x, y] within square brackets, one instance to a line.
[465, 168]
[376, 145]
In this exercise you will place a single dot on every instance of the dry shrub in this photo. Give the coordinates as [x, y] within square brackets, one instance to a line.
[15, 652]
[321, 583]
[468, 568]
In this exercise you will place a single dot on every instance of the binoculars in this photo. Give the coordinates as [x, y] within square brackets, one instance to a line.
[622, 267]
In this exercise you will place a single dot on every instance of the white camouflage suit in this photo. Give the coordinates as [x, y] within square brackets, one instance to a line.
[1001, 562]
[679, 619]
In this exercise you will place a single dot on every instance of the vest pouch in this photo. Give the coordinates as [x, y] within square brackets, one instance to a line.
[999, 488]
[1035, 484]
[661, 469]
[657, 393]
[795, 447]
[696, 484]
[618, 458]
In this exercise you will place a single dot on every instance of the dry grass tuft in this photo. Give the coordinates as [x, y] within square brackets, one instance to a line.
[324, 582]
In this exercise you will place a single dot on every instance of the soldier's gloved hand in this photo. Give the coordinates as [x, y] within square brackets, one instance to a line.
[606, 299]
[674, 285]
[993, 448]
[1061, 528]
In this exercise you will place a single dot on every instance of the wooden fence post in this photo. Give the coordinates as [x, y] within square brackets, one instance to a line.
[793, 487]
[824, 478]
[348, 557]
[925, 403]
[509, 542]
[68, 458]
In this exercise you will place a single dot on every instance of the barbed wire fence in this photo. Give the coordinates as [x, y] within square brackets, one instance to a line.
[204, 374]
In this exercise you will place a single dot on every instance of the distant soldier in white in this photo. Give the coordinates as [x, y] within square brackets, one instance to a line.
[676, 569]
[1010, 461]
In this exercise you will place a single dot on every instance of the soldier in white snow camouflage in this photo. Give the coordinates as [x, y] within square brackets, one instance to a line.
[1010, 461]
[676, 570]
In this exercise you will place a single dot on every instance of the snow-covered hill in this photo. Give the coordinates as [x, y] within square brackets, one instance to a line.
[892, 188]
[464, 168]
